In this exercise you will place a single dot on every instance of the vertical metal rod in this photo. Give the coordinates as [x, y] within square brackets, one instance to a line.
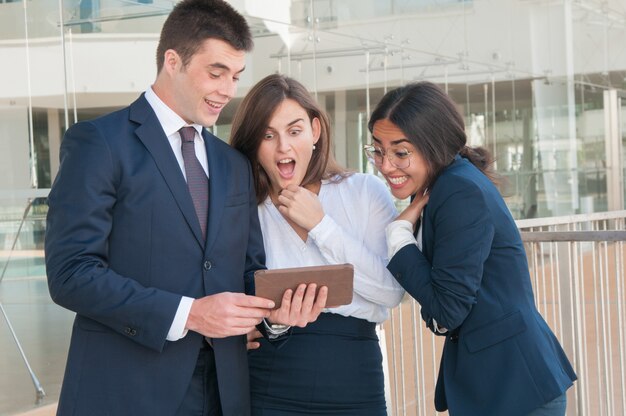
[402, 375]
[579, 318]
[434, 360]
[422, 373]
[415, 329]
[74, 103]
[393, 358]
[606, 368]
[596, 302]
[34, 182]
[62, 26]
[493, 115]
[610, 367]
[314, 21]
[38, 389]
[619, 278]
[40, 394]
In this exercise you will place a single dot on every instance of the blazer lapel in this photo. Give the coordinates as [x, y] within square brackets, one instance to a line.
[218, 169]
[152, 136]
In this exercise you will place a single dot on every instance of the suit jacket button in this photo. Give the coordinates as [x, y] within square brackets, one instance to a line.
[207, 265]
[130, 331]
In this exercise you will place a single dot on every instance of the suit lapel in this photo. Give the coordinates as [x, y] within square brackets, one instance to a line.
[152, 136]
[218, 170]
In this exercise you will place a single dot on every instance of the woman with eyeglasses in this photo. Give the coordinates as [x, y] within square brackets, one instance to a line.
[457, 251]
[313, 212]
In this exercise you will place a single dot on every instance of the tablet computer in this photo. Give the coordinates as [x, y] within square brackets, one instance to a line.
[271, 284]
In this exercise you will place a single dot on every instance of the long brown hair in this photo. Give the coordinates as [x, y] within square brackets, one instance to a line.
[432, 123]
[253, 117]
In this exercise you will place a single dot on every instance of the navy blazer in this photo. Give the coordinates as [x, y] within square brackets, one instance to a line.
[500, 357]
[123, 243]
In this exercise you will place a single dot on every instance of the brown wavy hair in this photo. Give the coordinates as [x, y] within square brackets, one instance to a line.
[252, 120]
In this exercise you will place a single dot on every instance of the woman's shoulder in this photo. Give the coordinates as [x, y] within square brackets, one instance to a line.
[461, 181]
[461, 174]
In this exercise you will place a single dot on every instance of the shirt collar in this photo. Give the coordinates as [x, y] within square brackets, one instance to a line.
[170, 121]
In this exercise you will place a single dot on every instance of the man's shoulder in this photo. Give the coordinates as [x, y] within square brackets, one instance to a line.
[224, 148]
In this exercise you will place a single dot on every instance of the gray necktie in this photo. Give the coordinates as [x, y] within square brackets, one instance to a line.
[197, 181]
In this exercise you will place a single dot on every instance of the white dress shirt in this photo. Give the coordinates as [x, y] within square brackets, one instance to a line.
[171, 123]
[399, 234]
[357, 210]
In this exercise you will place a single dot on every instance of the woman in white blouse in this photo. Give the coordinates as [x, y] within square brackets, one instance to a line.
[313, 212]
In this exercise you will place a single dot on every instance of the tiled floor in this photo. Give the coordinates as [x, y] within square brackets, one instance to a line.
[43, 330]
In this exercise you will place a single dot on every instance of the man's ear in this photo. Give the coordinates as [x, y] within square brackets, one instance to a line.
[171, 61]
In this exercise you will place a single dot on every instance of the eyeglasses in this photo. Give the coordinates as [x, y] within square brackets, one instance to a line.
[398, 156]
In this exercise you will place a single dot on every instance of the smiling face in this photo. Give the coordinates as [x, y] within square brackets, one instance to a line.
[286, 148]
[199, 91]
[403, 182]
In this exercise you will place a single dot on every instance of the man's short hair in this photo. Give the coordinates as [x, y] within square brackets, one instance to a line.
[191, 22]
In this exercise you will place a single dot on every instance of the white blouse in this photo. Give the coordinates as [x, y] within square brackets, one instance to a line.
[357, 210]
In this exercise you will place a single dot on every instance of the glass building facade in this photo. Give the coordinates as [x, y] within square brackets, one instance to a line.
[540, 83]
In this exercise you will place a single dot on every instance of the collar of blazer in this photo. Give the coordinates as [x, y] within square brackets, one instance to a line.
[150, 133]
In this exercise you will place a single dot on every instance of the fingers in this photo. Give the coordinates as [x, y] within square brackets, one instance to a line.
[286, 302]
[252, 345]
[227, 314]
[313, 304]
[302, 307]
[296, 300]
[414, 210]
[301, 206]
[252, 336]
[320, 301]
[306, 312]
[248, 301]
[309, 298]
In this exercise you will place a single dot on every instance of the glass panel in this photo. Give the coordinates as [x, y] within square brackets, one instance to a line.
[591, 154]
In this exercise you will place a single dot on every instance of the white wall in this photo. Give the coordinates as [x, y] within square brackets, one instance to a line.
[14, 148]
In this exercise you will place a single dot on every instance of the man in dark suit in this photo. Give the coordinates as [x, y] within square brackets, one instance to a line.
[155, 271]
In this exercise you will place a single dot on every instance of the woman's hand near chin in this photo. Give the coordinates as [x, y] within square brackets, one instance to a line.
[300, 206]
[414, 210]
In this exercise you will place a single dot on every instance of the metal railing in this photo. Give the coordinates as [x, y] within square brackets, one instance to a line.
[39, 391]
[578, 275]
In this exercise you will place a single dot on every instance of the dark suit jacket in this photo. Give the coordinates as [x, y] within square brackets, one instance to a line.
[123, 244]
[500, 357]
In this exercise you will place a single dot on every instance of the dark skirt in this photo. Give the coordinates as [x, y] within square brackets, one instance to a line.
[331, 367]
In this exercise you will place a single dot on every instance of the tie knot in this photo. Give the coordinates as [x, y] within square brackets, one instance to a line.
[187, 134]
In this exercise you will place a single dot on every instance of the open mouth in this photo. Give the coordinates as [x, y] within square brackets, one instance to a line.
[286, 167]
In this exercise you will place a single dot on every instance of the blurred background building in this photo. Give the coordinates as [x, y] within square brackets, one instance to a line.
[541, 83]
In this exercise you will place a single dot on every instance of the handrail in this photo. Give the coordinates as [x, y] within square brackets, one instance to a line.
[552, 236]
[39, 391]
[569, 219]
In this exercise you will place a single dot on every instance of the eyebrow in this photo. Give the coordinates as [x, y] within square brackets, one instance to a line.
[394, 142]
[295, 121]
[288, 124]
[218, 65]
